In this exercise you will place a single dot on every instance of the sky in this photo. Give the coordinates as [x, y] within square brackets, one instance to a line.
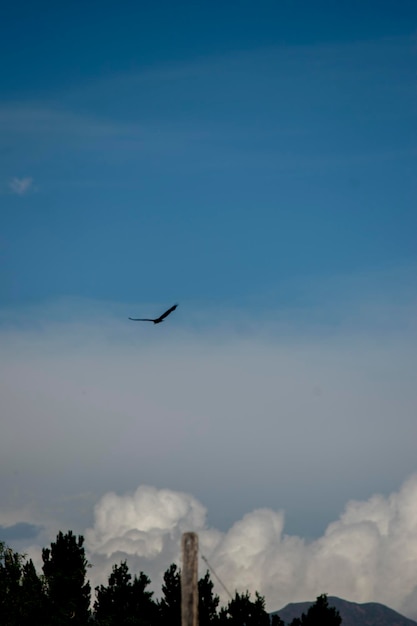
[256, 164]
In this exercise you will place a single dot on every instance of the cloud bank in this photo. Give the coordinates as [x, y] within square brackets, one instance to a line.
[368, 554]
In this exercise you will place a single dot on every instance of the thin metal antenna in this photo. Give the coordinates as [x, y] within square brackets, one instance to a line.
[216, 576]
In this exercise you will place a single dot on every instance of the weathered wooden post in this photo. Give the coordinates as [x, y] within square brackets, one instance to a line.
[189, 580]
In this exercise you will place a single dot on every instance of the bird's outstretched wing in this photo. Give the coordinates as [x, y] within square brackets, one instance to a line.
[164, 315]
[141, 319]
[157, 320]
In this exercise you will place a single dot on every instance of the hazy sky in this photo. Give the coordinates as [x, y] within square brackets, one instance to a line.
[255, 162]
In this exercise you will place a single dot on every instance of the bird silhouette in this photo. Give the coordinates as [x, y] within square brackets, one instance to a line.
[157, 320]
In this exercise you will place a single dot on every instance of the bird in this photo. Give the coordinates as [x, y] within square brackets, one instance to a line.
[157, 320]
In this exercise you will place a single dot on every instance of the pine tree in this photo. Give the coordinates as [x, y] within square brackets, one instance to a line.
[242, 610]
[319, 613]
[22, 595]
[207, 602]
[276, 620]
[10, 574]
[170, 603]
[65, 567]
[123, 602]
[33, 597]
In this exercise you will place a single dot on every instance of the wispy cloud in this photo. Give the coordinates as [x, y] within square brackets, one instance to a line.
[21, 186]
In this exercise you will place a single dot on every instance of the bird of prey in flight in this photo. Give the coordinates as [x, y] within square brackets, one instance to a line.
[157, 320]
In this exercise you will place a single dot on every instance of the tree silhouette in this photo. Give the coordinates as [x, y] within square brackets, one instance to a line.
[170, 602]
[241, 610]
[319, 613]
[22, 597]
[65, 567]
[33, 597]
[61, 597]
[207, 602]
[123, 602]
[10, 574]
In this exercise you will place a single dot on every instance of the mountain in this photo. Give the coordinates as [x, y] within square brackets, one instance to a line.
[352, 614]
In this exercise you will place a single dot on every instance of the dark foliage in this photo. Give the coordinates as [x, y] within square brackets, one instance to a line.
[320, 613]
[242, 610]
[10, 575]
[22, 595]
[124, 602]
[61, 596]
[276, 620]
[64, 568]
[33, 597]
[170, 602]
[352, 613]
[207, 602]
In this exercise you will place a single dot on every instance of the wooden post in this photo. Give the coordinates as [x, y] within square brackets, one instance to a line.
[189, 580]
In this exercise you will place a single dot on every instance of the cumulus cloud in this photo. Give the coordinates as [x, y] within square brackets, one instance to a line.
[368, 554]
[145, 526]
[142, 520]
[21, 186]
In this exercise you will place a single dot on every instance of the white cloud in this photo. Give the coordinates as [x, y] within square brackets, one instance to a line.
[21, 186]
[368, 554]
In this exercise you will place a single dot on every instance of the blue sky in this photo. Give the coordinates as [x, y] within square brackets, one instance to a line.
[209, 153]
[255, 162]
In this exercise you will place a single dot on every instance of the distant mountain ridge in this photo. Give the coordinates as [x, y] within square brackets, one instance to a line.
[352, 613]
